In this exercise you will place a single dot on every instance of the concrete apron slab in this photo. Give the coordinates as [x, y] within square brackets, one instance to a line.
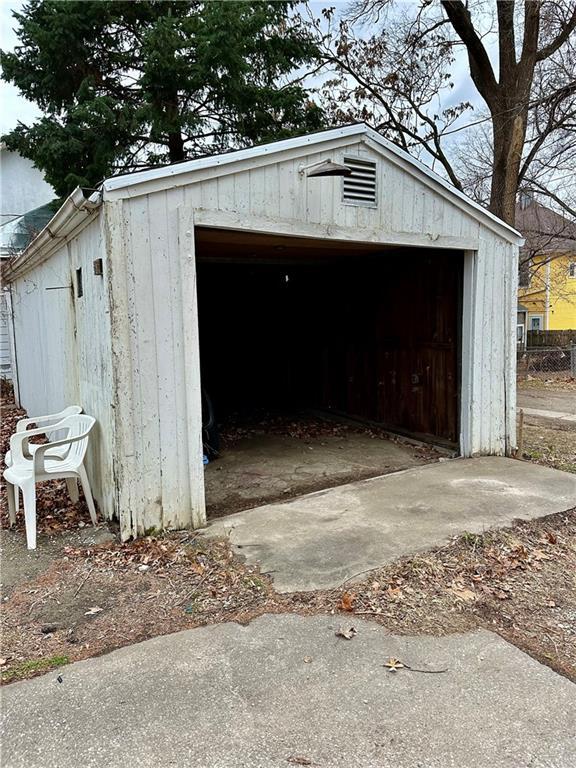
[285, 688]
[320, 540]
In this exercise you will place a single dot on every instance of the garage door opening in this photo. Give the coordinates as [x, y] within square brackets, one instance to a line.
[294, 330]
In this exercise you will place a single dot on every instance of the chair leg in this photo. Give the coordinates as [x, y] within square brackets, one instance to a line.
[17, 499]
[12, 493]
[87, 494]
[29, 495]
[72, 485]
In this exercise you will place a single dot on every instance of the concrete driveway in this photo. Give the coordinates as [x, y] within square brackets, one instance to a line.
[320, 540]
[286, 691]
[556, 405]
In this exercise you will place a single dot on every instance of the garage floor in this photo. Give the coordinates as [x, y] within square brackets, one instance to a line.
[320, 540]
[265, 466]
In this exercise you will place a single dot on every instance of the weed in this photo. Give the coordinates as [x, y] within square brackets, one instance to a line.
[33, 666]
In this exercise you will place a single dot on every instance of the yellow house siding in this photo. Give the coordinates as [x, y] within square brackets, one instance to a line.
[552, 293]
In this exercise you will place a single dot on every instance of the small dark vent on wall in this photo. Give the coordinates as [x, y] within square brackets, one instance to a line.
[360, 187]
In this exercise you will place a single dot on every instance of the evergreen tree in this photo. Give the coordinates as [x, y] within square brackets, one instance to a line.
[123, 85]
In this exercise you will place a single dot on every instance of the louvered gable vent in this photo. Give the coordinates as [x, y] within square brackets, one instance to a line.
[359, 188]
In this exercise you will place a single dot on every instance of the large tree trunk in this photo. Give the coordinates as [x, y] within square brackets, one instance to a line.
[508, 96]
[509, 135]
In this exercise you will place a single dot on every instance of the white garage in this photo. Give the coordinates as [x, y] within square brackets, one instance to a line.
[330, 269]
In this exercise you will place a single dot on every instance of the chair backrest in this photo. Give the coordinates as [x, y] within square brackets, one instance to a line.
[71, 410]
[46, 420]
[79, 424]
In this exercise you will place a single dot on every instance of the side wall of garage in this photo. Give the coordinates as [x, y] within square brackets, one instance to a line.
[63, 350]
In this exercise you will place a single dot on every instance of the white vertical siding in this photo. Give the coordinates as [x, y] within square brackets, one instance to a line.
[63, 348]
[93, 359]
[157, 379]
[489, 352]
[45, 333]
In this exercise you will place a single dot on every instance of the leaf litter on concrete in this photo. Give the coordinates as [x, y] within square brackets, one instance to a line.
[519, 582]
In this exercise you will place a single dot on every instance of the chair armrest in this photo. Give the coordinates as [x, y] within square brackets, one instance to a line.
[19, 441]
[23, 424]
[39, 466]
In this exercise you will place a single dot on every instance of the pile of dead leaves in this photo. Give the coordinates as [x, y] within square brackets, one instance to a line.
[474, 567]
[300, 426]
[55, 511]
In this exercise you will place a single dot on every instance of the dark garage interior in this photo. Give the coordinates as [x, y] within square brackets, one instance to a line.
[290, 325]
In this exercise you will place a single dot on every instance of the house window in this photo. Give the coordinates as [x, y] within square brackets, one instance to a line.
[359, 188]
[572, 269]
[536, 322]
[520, 333]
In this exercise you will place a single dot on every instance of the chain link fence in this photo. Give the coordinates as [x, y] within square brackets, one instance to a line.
[547, 363]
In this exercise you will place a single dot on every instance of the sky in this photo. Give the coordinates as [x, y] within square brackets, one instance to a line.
[14, 107]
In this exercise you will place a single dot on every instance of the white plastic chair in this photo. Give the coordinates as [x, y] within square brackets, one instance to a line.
[27, 470]
[49, 420]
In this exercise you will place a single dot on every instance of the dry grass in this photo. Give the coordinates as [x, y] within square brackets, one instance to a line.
[552, 447]
[560, 383]
[519, 582]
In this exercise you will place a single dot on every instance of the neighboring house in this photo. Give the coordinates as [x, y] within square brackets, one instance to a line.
[24, 211]
[22, 186]
[547, 283]
[332, 270]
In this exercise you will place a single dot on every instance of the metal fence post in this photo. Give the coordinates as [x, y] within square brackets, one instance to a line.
[573, 359]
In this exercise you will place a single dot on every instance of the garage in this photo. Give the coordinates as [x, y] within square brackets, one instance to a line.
[329, 274]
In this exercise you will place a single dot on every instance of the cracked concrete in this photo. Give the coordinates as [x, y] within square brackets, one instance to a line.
[320, 540]
[284, 689]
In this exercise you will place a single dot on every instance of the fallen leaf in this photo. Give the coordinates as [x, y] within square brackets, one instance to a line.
[3, 662]
[307, 659]
[299, 760]
[346, 632]
[347, 601]
[463, 593]
[93, 611]
[393, 664]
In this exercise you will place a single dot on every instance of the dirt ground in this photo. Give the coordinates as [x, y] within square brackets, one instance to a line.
[83, 593]
[546, 441]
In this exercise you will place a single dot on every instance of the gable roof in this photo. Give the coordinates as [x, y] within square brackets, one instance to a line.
[171, 175]
[545, 230]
